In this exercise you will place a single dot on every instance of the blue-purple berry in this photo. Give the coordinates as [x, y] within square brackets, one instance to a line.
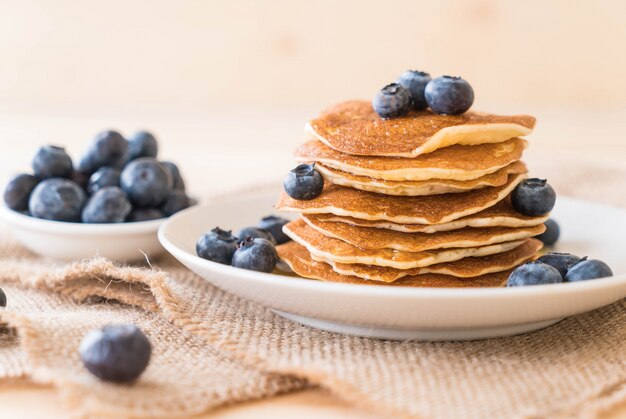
[449, 95]
[304, 182]
[392, 100]
[18, 190]
[117, 353]
[416, 82]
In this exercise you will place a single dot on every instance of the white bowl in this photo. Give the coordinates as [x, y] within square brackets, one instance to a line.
[75, 241]
[411, 313]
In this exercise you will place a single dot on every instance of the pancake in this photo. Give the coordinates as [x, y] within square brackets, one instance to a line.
[336, 250]
[500, 215]
[377, 238]
[435, 209]
[300, 262]
[463, 268]
[354, 128]
[422, 187]
[457, 162]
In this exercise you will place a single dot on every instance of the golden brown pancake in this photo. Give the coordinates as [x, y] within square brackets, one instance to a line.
[435, 209]
[457, 162]
[377, 238]
[421, 187]
[500, 215]
[463, 268]
[354, 128]
[299, 260]
[328, 248]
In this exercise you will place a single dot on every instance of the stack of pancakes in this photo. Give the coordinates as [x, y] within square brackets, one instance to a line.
[421, 200]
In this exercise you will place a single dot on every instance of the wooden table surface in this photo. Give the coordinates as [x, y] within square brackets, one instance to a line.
[218, 150]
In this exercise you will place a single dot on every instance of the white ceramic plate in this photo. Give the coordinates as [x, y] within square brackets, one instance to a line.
[75, 241]
[411, 313]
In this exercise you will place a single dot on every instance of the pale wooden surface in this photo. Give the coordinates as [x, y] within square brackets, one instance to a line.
[226, 149]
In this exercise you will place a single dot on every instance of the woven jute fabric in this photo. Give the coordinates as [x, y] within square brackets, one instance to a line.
[212, 348]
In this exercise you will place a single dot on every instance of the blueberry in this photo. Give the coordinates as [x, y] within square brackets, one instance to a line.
[416, 82]
[147, 182]
[561, 261]
[255, 233]
[108, 205]
[588, 269]
[109, 148]
[57, 199]
[3, 298]
[304, 182]
[392, 100]
[217, 245]
[255, 255]
[275, 225]
[551, 235]
[142, 144]
[18, 190]
[145, 214]
[103, 177]
[533, 197]
[52, 161]
[179, 183]
[449, 95]
[534, 273]
[177, 201]
[82, 179]
[118, 353]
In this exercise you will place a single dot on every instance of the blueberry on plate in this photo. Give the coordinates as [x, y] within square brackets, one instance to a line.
[179, 183]
[176, 201]
[52, 161]
[534, 273]
[274, 225]
[533, 197]
[588, 269]
[392, 100]
[147, 182]
[102, 178]
[108, 205]
[416, 82]
[116, 353]
[255, 255]
[109, 148]
[449, 95]
[142, 144]
[3, 298]
[255, 233]
[217, 245]
[58, 200]
[552, 233]
[304, 182]
[18, 190]
[145, 214]
[561, 261]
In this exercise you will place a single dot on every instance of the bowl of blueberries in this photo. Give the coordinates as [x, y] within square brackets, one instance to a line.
[108, 203]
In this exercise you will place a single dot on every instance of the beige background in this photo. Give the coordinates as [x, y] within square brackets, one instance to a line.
[228, 84]
[309, 53]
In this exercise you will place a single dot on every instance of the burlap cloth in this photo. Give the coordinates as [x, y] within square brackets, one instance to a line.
[211, 348]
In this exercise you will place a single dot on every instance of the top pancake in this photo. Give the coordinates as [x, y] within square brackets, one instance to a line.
[435, 209]
[300, 261]
[354, 128]
[457, 162]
